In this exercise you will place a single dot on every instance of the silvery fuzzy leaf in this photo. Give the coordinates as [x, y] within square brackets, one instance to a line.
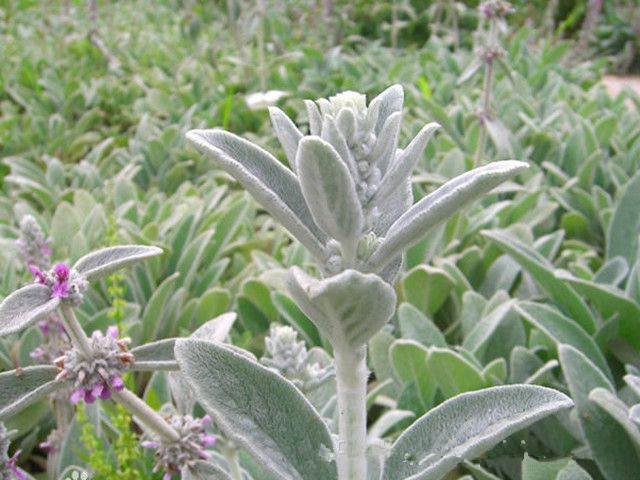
[634, 414]
[315, 119]
[105, 261]
[387, 142]
[216, 330]
[392, 208]
[403, 164]
[329, 190]
[346, 122]
[201, 470]
[287, 133]
[471, 70]
[271, 183]
[26, 306]
[391, 270]
[19, 389]
[258, 409]
[385, 104]
[440, 205]
[348, 308]
[332, 135]
[465, 426]
[600, 433]
[616, 411]
[155, 356]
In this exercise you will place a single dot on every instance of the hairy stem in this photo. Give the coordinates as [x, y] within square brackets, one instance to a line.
[486, 94]
[351, 377]
[145, 414]
[75, 331]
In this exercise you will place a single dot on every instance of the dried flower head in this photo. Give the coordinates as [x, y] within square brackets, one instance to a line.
[31, 244]
[8, 468]
[171, 457]
[97, 376]
[64, 283]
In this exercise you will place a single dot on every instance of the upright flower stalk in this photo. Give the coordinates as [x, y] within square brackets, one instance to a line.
[347, 198]
[494, 12]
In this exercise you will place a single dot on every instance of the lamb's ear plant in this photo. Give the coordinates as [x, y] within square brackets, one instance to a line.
[347, 198]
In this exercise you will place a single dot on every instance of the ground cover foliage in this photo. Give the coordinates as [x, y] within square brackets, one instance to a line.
[538, 283]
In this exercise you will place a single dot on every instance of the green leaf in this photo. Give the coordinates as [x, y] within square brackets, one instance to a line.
[610, 301]
[562, 330]
[258, 409]
[348, 308]
[452, 372]
[416, 326]
[156, 307]
[24, 307]
[622, 235]
[563, 469]
[105, 261]
[19, 389]
[543, 272]
[427, 288]
[409, 359]
[465, 426]
[329, 190]
[481, 333]
[296, 318]
[600, 433]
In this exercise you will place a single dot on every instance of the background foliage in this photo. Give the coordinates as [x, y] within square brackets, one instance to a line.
[93, 111]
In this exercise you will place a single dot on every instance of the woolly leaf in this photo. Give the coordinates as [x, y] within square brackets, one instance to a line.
[439, 206]
[271, 183]
[258, 409]
[24, 307]
[465, 426]
[348, 308]
[329, 190]
[19, 389]
[105, 261]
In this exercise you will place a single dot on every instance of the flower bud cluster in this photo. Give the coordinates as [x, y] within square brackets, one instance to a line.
[8, 468]
[171, 457]
[64, 283]
[347, 114]
[32, 246]
[290, 358]
[98, 375]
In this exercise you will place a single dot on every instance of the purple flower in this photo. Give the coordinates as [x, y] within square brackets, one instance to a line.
[194, 439]
[62, 272]
[97, 376]
[39, 274]
[11, 463]
[60, 289]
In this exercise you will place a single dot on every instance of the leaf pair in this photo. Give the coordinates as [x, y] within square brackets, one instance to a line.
[269, 417]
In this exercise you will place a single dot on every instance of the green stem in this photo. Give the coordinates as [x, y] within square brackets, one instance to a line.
[230, 454]
[145, 414]
[351, 377]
